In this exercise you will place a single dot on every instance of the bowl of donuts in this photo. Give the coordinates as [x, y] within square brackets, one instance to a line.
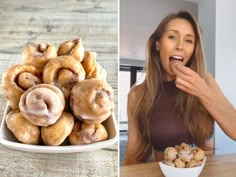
[183, 160]
[59, 101]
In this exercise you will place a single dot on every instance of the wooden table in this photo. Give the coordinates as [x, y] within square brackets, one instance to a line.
[216, 166]
[56, 21]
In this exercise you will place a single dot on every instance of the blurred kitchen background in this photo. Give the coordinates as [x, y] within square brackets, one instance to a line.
[138, 19]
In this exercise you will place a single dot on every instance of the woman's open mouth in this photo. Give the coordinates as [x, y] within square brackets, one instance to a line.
[175, 58]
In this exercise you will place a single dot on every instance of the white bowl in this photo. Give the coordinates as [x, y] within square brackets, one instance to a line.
[9, 140]
[170, 171]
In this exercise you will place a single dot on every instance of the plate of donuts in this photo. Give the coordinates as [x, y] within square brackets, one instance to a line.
[183, 160]
[59, 101]
[7, 138]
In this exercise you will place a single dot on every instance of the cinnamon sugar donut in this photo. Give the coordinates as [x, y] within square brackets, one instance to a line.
[64, 72]
[42, 104]
[22, 129]
[55, 134]
[99, 73]
[89, 62]
[74, 48]
[92, 100]
[84, 133]
[17, 80]
[38, 54]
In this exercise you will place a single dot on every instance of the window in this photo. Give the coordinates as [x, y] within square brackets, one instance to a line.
[127, 77]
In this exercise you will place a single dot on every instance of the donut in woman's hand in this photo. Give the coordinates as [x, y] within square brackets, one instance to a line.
[91, 100]
[55, 134]
[64, 72]
[17, 80]
[22, 129]
[38, 54]
[74, 48]
[42, 104]
[84, 133]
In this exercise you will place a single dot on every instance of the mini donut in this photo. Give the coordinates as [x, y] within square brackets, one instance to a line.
[179, 163]
[185, 155]
[170, 153]
[89, 62]
[91, 100]
[38, 54]
[84, 133]
[98, 73]
[22, 129]
[74, 48]
[192, 163]
[17, 80]
[64, 72]
[42, 104]
[184, 146]
[55, 134]
[198, 154]
[170, 163]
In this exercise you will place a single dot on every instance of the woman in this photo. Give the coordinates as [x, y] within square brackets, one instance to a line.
[178, 100]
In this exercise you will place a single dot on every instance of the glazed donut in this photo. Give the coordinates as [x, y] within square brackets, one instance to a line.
[198, 154]
[42, 104]
[55, 134]
[98, 73]
[64, 72]
[17, 80]
[89, 62]
[74, 48]
[92, 100]
[84, 133]
[185, 155]
[38, 54]
[22, 129]
[170, 153]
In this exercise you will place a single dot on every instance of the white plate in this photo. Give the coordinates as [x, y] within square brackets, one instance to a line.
[8, 139]
[169, 171]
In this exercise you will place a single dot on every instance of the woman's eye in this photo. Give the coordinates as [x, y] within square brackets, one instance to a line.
[189, 41]
[171, 37]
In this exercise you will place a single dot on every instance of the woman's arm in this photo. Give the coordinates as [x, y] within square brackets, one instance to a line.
[210, 95]
[134, 136]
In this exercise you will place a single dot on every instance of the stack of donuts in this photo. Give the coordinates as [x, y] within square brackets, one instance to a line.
[183, 156]
[58, 95]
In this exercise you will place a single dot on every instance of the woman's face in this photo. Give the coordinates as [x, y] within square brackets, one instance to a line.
[176, 45]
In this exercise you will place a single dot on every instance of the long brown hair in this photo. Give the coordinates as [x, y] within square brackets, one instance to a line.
[196, 119]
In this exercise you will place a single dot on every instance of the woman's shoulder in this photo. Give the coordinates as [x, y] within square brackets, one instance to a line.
[134, 92]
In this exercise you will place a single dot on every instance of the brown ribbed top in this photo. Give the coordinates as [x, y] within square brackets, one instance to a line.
[166, 129]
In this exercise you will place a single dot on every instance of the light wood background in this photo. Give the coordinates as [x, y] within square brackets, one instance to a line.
[56, 21]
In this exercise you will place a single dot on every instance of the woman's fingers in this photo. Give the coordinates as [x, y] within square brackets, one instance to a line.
[188, 81]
